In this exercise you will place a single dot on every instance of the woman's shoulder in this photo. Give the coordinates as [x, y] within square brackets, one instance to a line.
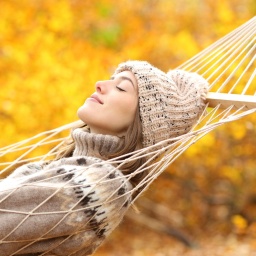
[99, 185]
[91, 168]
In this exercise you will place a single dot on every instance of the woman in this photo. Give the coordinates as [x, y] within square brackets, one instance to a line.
[70, 205]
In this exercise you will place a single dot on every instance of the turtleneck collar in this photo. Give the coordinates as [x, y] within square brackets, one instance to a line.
[95, 145]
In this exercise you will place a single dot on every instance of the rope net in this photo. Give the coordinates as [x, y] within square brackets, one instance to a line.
[229, 67]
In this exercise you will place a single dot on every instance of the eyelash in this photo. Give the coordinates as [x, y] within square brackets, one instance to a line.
[120, 89]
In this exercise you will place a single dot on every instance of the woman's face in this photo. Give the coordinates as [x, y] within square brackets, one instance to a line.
[111, 109]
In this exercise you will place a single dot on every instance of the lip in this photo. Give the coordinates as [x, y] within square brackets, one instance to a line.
[96, 98]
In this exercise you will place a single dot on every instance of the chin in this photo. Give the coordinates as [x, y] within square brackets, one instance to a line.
[81, 113]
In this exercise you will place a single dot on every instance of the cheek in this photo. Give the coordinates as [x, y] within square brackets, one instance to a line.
[127, 109]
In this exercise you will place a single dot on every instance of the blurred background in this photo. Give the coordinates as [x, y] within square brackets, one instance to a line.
[52, 53]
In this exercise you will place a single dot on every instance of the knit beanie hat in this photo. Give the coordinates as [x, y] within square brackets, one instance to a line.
[169, 103]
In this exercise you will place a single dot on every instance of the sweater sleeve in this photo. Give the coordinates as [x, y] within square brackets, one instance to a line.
[27, 169]
[65, 208]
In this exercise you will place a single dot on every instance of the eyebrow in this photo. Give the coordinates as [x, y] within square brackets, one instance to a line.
[124, 78]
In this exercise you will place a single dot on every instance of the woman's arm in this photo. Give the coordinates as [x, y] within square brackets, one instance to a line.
[69, 206]
[27, 169]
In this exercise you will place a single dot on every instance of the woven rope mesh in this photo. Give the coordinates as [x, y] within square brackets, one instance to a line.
[228, 65]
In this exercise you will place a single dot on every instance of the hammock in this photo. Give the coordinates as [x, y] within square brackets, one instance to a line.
[229, 67]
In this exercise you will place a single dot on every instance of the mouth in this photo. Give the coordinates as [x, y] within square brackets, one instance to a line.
[96, 98]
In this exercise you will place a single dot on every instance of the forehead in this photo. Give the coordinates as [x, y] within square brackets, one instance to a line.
[128, 74]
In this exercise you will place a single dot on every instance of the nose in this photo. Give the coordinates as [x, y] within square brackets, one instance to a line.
[101, 86]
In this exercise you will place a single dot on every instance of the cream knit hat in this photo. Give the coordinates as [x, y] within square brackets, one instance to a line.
[170, 104]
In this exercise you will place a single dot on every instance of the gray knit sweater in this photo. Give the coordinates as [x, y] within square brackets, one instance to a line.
[67, 207]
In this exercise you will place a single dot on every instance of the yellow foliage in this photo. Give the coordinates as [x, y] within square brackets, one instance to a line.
[239, 222]
[232, 174]
[238, 131]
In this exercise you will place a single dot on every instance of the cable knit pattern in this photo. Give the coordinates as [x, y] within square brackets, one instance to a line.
[96, 145]
[66, 207]
[170, 104]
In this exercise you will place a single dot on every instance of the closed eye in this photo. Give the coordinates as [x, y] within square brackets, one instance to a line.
[120, 89]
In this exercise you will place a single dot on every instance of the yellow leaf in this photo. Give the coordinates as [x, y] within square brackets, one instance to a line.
[239, 222]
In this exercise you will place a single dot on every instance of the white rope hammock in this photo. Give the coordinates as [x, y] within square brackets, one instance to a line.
[228, 65]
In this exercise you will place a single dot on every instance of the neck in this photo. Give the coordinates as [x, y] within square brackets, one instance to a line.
[95, 145]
